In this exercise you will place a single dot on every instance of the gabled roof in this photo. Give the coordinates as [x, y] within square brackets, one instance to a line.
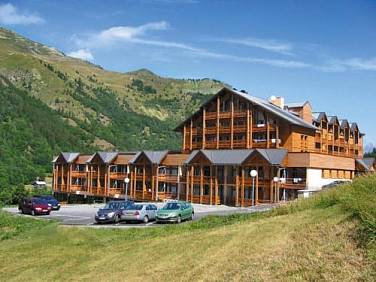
[264, 104]
[238, 156]
[318, 116]
[354, 126]
[344, 123]
[106, 157]
[67, 156]
[333, 119]
[155, 157]
[273, 156]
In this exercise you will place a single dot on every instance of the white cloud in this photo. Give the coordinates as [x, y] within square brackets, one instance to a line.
[141, 35]
[118, 34]
[265, 44]
[361, 64]
[83, 54]
[10, 15]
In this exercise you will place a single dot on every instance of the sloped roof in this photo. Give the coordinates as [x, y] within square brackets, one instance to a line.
[67, 156]
[353, 126]
[333, 119]
[273, 156]
[369, 162]
[362, 164]
[106, 157]
[266, 105]
[155, 157]
[318, 116]
[343, 123]
[238, 156]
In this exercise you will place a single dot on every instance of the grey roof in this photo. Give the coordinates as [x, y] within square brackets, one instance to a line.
[266, 105]
[344, 122]
[70, 157]
[273, 156]
[353, 125]
[363, 164]
[106, 157]
[318, 116]
[332, 119]
[155, 157]
[369, 162]
[238, 156]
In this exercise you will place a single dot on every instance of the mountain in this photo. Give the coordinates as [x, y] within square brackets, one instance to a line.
[107, 110]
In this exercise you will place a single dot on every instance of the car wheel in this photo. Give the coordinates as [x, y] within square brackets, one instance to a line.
[179, 219]
[146, 219]
[22, 211]
[48, 213]
[32, 212]
[191, 217]
[117, 218]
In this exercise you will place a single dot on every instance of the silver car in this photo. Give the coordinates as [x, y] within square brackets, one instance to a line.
[140, 212]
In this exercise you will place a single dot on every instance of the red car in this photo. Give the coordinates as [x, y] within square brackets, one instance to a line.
[34, 206]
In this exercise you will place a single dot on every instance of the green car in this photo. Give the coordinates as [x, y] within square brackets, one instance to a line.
[175, 212]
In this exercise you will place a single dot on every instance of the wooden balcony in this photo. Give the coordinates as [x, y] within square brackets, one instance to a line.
[78, 188]
[240, 114]
[210, 130]
[211, 115]
[210, 144]
[116, 192]
[293, 183]
[240, 128]
[168, 178]
[98, 191]
[118, 175]
[80, 174]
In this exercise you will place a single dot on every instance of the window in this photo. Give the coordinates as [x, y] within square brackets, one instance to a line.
[206, 190]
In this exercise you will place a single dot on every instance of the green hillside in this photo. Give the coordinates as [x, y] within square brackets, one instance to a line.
[100, 109]
[330, 237]
[125, 111]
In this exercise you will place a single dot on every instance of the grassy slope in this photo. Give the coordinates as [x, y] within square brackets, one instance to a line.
[330, 237]
[53, 78]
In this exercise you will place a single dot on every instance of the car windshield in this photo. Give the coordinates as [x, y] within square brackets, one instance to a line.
[134, 207]
[39, 201]
[112, 206]
[171, 206]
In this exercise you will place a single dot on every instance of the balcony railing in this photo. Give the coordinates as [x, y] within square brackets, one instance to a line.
[293, 183]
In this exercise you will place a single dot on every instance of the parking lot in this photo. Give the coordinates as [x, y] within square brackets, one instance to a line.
[83, 215]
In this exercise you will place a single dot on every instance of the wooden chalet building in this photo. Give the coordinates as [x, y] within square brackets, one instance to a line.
[230, 135]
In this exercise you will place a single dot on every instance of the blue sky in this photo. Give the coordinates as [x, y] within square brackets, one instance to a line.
[321, 51]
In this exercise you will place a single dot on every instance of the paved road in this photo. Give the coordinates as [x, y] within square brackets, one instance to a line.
[83, 215]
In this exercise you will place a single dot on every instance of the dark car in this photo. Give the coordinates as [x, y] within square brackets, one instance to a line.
[112, 212]
[34, 206]
[51, 201]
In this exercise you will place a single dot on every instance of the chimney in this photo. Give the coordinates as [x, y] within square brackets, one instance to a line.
[277, 101]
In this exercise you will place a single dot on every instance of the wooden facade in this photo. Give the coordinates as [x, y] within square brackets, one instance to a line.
[231, 121]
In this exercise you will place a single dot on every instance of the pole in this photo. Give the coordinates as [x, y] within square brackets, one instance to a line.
[253, 191]
[126, 192]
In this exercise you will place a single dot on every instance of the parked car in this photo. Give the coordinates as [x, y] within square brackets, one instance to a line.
[335, 184]
[175, 212]
[52, 202]
[140, 212]
[34, 206]
[112, 211]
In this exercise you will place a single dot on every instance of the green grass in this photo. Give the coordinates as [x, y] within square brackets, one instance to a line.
[330, 237]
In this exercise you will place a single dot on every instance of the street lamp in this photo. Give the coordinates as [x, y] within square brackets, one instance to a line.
[253, 174]
[126, 181]
[276, 195]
